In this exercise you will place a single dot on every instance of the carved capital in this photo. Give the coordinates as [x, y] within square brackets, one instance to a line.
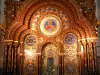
[83, 41]
[16, 44]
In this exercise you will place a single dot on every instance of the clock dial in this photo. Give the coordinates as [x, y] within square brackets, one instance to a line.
[50, 25]
[70, 39]
[30, 40]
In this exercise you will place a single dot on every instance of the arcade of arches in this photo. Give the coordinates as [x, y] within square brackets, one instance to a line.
[50, 38]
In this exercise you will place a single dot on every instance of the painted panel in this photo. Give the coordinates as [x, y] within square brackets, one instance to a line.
[70, 55]
[29, 55]
[47, 12]
[50, 60]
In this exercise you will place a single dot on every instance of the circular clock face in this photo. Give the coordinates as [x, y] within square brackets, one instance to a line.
[70, 39]
[30, 40]
[50, 25]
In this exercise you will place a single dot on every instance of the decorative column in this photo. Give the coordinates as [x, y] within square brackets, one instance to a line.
[85, 46]
[39, 64]
[9, 57]
[81, 57]
[15, 50]
[94, 56]
[21, 58]
[61, 64]
[7, 65]
[5, 58]
[18, 59]
[90, 62]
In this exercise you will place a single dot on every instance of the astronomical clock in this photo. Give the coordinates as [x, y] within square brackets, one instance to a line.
[50, 25]
[50, 37]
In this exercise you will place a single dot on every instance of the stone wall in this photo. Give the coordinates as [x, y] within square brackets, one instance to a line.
[1, 23]
[1, 11]
[98, 41]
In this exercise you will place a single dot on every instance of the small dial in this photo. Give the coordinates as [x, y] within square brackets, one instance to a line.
[30, 40]
[70, 39]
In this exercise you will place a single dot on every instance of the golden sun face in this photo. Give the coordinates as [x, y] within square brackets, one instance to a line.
[50, 25]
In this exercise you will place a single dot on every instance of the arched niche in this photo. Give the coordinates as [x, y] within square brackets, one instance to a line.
[50, 59]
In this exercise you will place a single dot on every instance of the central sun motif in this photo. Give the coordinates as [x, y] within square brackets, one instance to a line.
[50, 25]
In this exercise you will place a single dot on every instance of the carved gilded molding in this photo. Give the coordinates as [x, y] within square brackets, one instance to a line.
[31, 12]
[25, 16]
[7, 41]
